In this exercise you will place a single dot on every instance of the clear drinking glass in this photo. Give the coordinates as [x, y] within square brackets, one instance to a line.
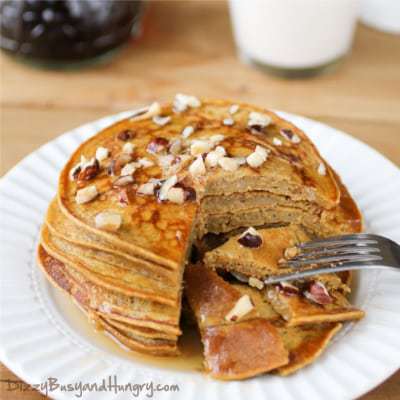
[294, 38]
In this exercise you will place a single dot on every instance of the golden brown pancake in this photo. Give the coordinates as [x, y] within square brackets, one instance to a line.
[132, 199]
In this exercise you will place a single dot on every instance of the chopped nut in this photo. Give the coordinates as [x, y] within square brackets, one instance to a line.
[102, 153]
[86, 194]
[277, 142]
[183, 101]
[215, 139]
[318, 293]
[228, 164]
[258, 119]
[321, 169]
[187, 131]
[228, 121]
[178, 234]
[157, 145]
[123, 180]
[153, 110]
[125, 135]
[200, 147]
[128, 148]
[175, 147]
[233, 109]
[89, 170]
[254, 282]
[242, 307]
[129, 169]
[147, 188]
[255, 160]
[197, 167]
[291, 252]
[212, 158]
[145, 162]
[166, 186]
[288, 289]
[108, 221]
[161, 121]
[73, 174]
[250, 238]
[176, 195]
[166, 161]
[288, 134]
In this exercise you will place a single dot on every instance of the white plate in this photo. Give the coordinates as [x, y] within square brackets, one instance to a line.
[39, 340]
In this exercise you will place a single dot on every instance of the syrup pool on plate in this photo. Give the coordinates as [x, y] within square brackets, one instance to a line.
[190, 359]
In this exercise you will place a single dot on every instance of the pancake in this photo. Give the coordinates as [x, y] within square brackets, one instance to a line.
[305, 343]
[102, 273]
[131, 310]
[232, 350]
[261, 261]
[132, 200]
[136, 342]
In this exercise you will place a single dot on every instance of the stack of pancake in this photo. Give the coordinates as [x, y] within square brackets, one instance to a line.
[133, 199]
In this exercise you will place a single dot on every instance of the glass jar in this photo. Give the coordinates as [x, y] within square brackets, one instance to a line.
[65, 33]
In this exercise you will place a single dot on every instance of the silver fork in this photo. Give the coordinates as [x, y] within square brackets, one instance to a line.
[341, 253]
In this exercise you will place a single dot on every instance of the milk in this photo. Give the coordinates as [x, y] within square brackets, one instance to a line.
[294, 34]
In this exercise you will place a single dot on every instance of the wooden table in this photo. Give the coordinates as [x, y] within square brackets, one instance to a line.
[188, 47]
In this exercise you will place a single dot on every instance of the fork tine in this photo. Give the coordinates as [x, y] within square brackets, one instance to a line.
[334, 259]
[330, 251]
[336, 243]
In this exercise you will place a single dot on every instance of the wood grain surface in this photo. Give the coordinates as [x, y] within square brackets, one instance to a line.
[187, 47]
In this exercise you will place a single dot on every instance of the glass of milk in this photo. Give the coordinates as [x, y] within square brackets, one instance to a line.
[294, 38]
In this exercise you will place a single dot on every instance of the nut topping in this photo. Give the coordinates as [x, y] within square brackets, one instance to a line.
[197, 167]
[287, 289]
[276, 141]
[89, 171]
[200, 146]
[258, 157]
[228, 164]
[289, 135]
[129, 169]
[213, 157]
[254, 282]
[86, 194]
[166, 186]
[291, 252]
[125, 135]
[318, 293]
[176, 195]
[215, 139]
[321, 169]
[175, 147]
[258, 120]
[108, 221]
[250, 238]
[187, 131]
[147, 188]
[233, 109]
[157, 145]
[228, 121]
[73, 174]
[160, 120]
[145, 162]
[128, 148]
[102, 153]
[242, 307]
[123, 180]
[183, 101]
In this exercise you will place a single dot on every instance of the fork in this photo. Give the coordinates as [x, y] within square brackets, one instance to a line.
[341, 253]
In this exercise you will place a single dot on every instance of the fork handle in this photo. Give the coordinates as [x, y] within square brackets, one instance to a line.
[300, 274]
